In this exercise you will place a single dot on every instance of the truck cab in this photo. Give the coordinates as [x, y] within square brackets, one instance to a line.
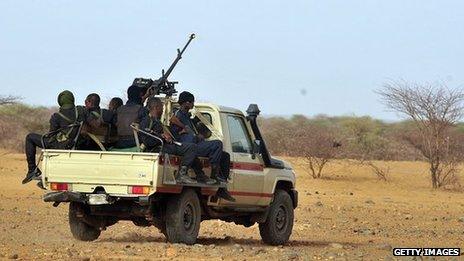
[106, 186]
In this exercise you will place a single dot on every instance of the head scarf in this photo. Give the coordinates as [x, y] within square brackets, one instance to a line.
[66, 100]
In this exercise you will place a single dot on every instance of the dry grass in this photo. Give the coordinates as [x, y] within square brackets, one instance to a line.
[410, 175]
[350, 206]
[17, 120]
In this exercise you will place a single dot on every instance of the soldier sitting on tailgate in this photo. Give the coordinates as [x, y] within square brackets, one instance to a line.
[151, 123]
[63, 130]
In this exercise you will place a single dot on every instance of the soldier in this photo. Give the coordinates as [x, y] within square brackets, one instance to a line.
[63, 131]
[114, 104]
[132, 112]
[183, 130]
[98, 121]
[151, 123]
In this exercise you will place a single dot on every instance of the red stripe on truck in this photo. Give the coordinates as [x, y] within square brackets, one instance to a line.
[210, 192]
[173, 189]
[246, 166]
[235, 165]
[250, 194]
[178, 189]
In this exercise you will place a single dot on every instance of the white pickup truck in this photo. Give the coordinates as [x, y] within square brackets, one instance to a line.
[104, 187]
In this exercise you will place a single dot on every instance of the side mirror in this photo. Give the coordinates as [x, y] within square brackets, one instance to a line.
[256, 148]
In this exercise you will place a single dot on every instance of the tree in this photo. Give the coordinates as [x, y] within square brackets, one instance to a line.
[435, 109]
[275, 130]
[366, 142]
[316, 145]
[4, 100]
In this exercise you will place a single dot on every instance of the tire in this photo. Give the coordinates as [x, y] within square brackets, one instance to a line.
[79, 229]
[183, 217]
[279, 223]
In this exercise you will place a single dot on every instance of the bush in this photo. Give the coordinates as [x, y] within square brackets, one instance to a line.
[362, 138]
[17, 120]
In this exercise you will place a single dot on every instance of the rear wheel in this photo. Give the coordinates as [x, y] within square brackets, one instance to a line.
[279, 223]
[79, 229]
[183, 217]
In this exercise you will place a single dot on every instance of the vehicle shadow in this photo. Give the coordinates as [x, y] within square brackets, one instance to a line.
[258, 242]
[133, 239]
[223, 241]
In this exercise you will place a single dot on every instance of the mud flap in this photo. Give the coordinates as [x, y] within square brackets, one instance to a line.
[294, 196]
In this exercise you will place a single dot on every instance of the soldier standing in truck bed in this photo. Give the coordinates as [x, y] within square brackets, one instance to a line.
[131, 112]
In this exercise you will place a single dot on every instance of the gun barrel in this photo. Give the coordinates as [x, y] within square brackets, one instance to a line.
[179, 56]
[192, 36]
[162, 85]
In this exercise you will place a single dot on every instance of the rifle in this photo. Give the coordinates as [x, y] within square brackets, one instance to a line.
[162, 85]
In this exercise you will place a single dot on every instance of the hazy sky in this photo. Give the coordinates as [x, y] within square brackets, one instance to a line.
[290, 57]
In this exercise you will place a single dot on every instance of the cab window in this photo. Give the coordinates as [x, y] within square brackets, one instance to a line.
[208, 117]
[239, 138]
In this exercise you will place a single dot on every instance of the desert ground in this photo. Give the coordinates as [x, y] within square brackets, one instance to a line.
[348, 215]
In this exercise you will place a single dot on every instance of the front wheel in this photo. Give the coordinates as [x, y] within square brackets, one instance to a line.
[183, 217]
[79, 229]
[279, 223]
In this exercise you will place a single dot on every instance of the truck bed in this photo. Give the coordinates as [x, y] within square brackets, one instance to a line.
[113, 172]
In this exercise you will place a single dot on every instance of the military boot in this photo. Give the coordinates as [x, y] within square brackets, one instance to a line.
[202, 178]
[40, 184]
[221, 180]
[216, 173]
[32, 174]
[183, 177]
[225, 194]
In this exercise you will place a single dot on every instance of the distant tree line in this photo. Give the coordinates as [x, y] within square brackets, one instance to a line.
[360, 137]
[432, 131]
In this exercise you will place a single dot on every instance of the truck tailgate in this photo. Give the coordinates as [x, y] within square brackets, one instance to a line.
[108, 168]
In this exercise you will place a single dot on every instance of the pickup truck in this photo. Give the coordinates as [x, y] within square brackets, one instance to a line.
[104, 187]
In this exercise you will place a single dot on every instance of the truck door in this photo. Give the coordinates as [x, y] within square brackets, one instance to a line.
[246, 170]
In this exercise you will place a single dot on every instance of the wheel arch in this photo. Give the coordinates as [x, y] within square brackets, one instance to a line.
[287, 185]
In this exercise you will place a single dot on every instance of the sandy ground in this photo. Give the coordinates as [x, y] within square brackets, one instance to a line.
[349, 215]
